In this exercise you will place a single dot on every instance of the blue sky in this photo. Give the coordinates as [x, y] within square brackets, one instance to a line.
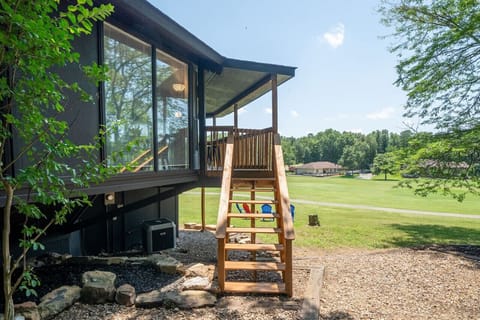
[345, 72]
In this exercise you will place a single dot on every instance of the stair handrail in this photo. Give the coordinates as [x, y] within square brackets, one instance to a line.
[282, 189]
[221, 229]
[141, 156]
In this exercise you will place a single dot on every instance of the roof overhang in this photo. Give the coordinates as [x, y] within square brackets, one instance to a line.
[228, 82]
[240, 83]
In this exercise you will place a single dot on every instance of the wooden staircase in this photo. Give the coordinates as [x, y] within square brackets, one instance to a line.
[264, 263]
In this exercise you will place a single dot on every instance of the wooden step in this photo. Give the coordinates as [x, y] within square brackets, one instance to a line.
[254, 265]
[254, 287]
[249, 182]
[254, 246]
[253, 230]
[248, 189]
[253, 201]
[253, 215]
[253, 179]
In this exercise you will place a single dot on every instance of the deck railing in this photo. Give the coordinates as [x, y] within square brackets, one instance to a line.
[253, 149]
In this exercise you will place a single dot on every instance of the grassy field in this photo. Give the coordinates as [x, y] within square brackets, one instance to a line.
[378, 193]
[360, 228]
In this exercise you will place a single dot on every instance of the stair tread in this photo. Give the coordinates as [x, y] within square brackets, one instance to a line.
[255, 265]
[253, 215]
[246, 189]
[254, 230]
[253, 179]
[254, 246]
[259, 287]
[253, 201]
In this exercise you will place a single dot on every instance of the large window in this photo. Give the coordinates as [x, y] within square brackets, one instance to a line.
[129, 106]
[128, 101]
[172, 106]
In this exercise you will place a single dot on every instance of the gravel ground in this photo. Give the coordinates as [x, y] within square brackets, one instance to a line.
[427, 283]
[400, 284]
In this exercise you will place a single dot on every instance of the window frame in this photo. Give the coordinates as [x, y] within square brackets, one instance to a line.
[193, 118]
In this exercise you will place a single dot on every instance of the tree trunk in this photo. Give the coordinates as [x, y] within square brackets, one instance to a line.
[7, 264]
[385, 175]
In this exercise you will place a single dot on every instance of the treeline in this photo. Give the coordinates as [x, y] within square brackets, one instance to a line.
[351, 150]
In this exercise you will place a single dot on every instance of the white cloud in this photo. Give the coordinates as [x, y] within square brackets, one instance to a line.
[268, 110]
[383, 114]
[242, 110]
[294, 113]
[335, 35]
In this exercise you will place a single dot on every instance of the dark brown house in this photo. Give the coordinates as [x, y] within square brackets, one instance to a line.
[168, 85]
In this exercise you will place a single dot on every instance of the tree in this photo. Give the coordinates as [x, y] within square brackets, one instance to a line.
[48, 168]
[450, 162]
[288, 150]
[438, 47]
[353, 156]
[385, 163]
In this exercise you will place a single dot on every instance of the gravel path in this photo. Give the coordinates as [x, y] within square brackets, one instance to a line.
[358, 284]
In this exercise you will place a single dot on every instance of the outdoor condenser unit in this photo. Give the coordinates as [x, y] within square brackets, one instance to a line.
[158, 234]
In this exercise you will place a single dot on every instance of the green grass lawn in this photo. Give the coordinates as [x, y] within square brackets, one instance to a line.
[360, 228]
[378, 193]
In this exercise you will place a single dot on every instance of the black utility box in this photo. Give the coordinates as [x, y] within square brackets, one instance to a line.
[158, 234]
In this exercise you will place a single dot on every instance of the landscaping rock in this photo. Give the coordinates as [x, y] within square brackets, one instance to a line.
[58, 300]
[98, 286]
[98, 260]
[150, 299]
[28, 310]
[196, 283]
[115, 260]
[166, 264]
[190, 299]
[200, 270]
[125, 295]
[245, 241]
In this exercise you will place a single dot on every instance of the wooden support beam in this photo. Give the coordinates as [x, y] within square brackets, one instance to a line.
[221, 263]
[274, 104]
[235, 116]
[289, 268]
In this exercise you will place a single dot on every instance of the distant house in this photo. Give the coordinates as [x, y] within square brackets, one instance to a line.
[319, 169]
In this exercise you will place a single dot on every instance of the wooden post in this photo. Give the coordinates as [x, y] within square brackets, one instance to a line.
[221, 257]
[274, 104]
[235, 116]
[203, 209]
[289, 268]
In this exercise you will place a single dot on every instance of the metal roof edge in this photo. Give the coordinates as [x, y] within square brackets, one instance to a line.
[259, 66]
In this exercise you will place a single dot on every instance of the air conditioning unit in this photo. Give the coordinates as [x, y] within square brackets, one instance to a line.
[158, 234]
